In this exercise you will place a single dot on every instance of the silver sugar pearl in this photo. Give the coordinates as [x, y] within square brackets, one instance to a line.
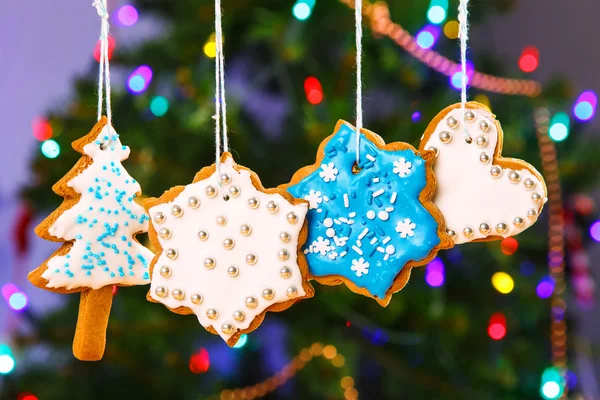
[164, 233]
[251, 259]
[291, 291]
[161, 291]
[176, 211]
[221, 220]
[468, 232]
[239, 315]
[233, 271]
[211, 313]
[210, 262]
[165, 271]
[451, 233]
[227, 329]
[284, 237]
[159, 218]
[484, 125]
[268, 294]
[469, 116]
[529, 184]
[434, 149]
[445, 137]
[253, 202]
[177, 294]
[484, 228]
[496, 171]
[196, 298]
[228, 243]
[202, 235]
[514, 176]
[285, 272]
[283, 255]
[211, 191]
[518, 222]
[501, 228]
[272, 207]
[225, 179]
[532, 214]
[536, 197]
[245, 230]
[481, 141]
[484, 158]
[292, 217]
[193, 202]
[234, 191]
[452, 122]
[172, 254]
[251, 302]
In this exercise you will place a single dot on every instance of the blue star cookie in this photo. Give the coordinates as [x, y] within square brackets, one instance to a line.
[369, 228]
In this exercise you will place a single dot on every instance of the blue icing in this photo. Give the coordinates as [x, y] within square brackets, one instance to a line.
[366, 227]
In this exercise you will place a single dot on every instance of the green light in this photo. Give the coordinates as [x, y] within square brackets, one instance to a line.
[437, 11]
[559, 127]
[241, 342]
[159, 106]
[303, 9]
[50, 149]
[553, 384]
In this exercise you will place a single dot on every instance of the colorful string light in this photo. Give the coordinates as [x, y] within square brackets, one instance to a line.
[559, 127]
[503, 282]
[140, 79]
[313, 90]
[7, 362]
[302, 9]
[42, 130]
[50, 148]
[556, 243]
[379, 15]
[529, 59]
[434, 273]
[497, 326]
[585, 106]
[329, 352]
[127, 15]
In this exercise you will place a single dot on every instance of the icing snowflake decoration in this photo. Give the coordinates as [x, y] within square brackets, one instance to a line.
[101, 223]
[371, 227]
[227, 250]
[482, 195]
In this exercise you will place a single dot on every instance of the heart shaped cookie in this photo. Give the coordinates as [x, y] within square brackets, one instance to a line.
[482, 195]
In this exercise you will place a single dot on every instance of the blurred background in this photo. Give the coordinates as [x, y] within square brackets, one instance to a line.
[516, 319]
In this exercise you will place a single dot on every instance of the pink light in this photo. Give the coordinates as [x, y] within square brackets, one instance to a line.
[590, 97]
[434, 274]
[8, 289]
[139, 80]
[127, 15]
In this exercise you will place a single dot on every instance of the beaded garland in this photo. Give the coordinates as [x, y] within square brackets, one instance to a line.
[482, 195]
[368, 227]
[102, 223]
[227, 250]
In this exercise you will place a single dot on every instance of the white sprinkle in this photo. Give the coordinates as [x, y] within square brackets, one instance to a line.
[389, 209]
[386, 257]
[390, 249]
[370, 157]
[374, 240]
[352, 214]
[319, 210]
[343, 253]
[363, 233]
[350, 222]
[376, 180]
[387, 239]
[381, 249]
[383, 215]
[356, 249]
[346, 200]
[342, 219]
[332, 256]
[306, 251]
[371, 214]
[393, 198]
[330, 232]
[336, 240]
[378, 193]
[328, 223]
[337, 221]
[358, 243]
[325, 198]
[344, 238]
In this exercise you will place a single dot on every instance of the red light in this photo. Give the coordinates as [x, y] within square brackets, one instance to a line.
[111, 48]
[509, 246]
[529, 59]
[42, 130]
[348, 324]
[26, 396]
[497, 326]
[115, 289]
[200, 362]
[313, 90]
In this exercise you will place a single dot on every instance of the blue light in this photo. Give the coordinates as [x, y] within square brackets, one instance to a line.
[425, 39]
[7, 364]
[456, 80]
[137, 84]
[241, 342]
[303, 9]
[50, 149]
[583, 111]
[436, 15]
[17, 301]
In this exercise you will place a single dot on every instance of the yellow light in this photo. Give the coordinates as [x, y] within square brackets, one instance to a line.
[503, 282]
[338, 361]
[210, 49]
[451, 29]
[483, 99]
[329, 351]
[347, 382]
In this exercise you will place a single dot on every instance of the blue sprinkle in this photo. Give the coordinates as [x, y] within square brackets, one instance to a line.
[123, 238]
[146, 276]
[104, 168]
[56, 270]
[112, 274]
[90, 190]
[126, 223]
[78, 237]
[68, 256]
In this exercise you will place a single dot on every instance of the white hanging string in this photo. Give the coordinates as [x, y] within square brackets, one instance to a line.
[464, 36]
[359, 110]
[104, 70]
[220, 103]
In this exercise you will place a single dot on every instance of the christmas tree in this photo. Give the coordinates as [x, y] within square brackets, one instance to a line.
[452, 333]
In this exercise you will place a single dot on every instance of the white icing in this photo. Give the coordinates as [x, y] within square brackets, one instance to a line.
[466, 192]
[89, 263]
[219, 290]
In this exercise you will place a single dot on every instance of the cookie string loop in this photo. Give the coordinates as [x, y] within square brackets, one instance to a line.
[359, 110]
[464, 36]
[220, 103]
[104, 69]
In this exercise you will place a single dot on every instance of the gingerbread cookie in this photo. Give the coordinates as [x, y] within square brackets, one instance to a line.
[228, 249]
[368, 226]
[97, 223]
[482, 195]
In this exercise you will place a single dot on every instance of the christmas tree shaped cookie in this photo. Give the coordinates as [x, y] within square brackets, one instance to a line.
[368, 226]
[97, 223]
[482, 195]
[228, 249]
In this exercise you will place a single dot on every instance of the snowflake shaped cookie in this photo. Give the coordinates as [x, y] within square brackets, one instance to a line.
[482, 195]
[373, 226]
[228, 250]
